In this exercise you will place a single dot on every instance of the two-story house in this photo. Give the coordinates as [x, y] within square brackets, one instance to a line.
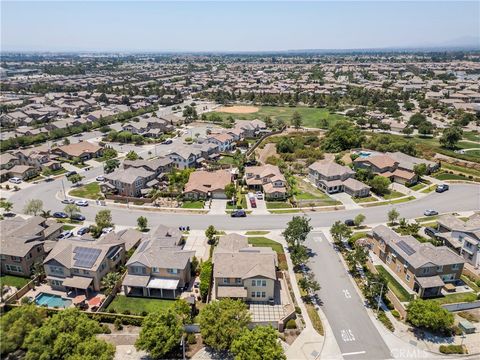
[185, 157]
[159, 267]
[128, 182]
[461, 236]
[422, 267]
[244, 272]
[75, 264]
[224, 141]
[267, 178]
[332, 178]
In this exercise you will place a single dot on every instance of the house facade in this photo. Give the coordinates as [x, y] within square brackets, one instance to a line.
[207, 184]
[267, 178]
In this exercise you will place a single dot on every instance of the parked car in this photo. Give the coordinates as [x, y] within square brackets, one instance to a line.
[77, 135]
[81, 202]
[441, 188]
[431, 232]
[70, 173]
[167, 142]
[68, 201]
[83, 230]
[15, 180]
[349, 222]
[49, 178]
[238, 213]
[78, 217]
[60, 215]
[253, 203]
[65, 235]
[100, 178]
[430, 212]
[107, 230]
[259, 195]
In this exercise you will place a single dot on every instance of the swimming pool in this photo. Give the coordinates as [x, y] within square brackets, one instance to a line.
[52, 300]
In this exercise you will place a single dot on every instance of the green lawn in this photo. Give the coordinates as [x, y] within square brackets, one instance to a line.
[257, 232]
[427, 218]
[360, 200]
[418, 186]
[88, 191]
[456, 298]
[429, 189]
[312, 117]
[286, 211]
[397, 201]
[266, 242]
[278, 205]
[136, 306]
[472, 136]
[228, 160]
[67, 227]
[445, 176]
[401, 293]
[193, 204]
[15, 281]
[393, 195]
[306, 191]
[461, 169]
[58, 172]
[470, 283]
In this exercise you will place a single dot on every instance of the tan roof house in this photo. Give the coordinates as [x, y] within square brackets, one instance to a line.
[84, 150]
[204, 184]
[267, 178]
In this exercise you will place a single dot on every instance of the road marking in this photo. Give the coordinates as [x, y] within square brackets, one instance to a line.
[347, 335]
[347, 294]
[354, 353]
[318, 239]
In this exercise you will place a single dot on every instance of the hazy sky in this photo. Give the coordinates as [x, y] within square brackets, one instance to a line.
[234, 26]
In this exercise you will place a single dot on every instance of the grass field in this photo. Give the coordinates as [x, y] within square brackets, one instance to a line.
[472, 136]
[193, 205]
[15, 281]
[266, 242]
[461, 169]
[278, 205]
[257, 232]
[312, 117]
[418, 186]
[315, 318]
[429, 189]
[456, 298]
[393, 285]
[285, 211]
[226, 160]
[393, 195]
[88, 191]
[446, 176]
[306, 191]
[138, 305]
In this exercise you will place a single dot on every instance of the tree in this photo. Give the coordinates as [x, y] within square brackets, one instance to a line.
[407, 131]
[110, 165]
[297, 230]
[6, 205]
[279, 123]
[71, 209]
[376, 285]
[103, 219]
[429, 315]
[420, 169]
[109, 281]
[393, 215]
[343, 136]
[268, 122]
[75, 178]
[230, 190]
[357, 257]
[425, 128]
[299, 255]
[223, 321]
[296, 120]
[109, 153]
[359, 219]
[210, 233]
[182, 308]
[33, 207]
[340, 231]
[132, 155]
[380, 184]
[260, 343]
[450, 137]
[69, 334]
[17, 324]
[417, 119]
[308, 283]
[142, 223]
[66, 141]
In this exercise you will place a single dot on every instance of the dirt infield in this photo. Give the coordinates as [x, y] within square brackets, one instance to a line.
[238, 109]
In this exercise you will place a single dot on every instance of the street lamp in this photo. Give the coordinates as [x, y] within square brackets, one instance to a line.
[381, 292]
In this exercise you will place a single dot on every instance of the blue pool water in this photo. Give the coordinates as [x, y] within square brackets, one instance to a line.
[52, 300]
[364, 154]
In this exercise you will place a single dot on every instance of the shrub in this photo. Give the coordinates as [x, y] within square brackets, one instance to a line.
[118, 324]
[112, 311]
[298, 310]
[144, 313]
[106, 329]
[126, 312]
[395, 313]
[291, 324]
[191, 339]
[205, 278]
[452, 349]
[385, 321]
[456, 330]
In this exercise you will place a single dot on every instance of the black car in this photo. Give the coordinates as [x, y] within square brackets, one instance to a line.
[78, 217]
[349, 222]
[60, 215]
[70, 173]
[83, 230]
[431, 232]
[441, 188]
[238, 213]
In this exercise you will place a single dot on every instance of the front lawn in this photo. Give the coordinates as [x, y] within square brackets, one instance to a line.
[136, 306]
[446, 176]
[393, 195]
[278, 205]
[193, 204]
[67, 227]
[15, 281]
[418, 186]
[401, 293]
[88, 191]
[260, 241]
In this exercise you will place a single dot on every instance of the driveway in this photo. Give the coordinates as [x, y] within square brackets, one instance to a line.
[356, 335]
[346, 200]
[218, 206]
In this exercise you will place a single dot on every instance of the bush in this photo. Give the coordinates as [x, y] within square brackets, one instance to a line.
[205, 278]
[118, 324]
[385, 321]
[452, 349]
[191, 339]
[106, 329]
[456, 330]
[291, 324]
[395, 314]
[298, 310]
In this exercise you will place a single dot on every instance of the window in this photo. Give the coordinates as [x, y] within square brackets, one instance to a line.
[226, 280]
[57, 283]
[56, 270]
[86, 272]
[16, 259]
[263, 294]
[138, 270]
[75, 271]
[155, 270]
[425, 270]
[238, 281]
[172, 271]
[254, 282]
[456, 266]
[264, 283]
[439, 268]
[14, 268]
[407, 277]
[259, 294]
[253, 294]
[39, 248]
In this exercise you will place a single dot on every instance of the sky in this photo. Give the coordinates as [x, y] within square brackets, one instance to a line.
[235, 26]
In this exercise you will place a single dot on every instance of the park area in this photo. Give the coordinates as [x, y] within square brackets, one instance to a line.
[311, 117]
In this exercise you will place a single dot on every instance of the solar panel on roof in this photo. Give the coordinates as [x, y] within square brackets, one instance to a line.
[85, 257]
[407, 249]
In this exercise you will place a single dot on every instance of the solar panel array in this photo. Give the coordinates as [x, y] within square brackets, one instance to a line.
[85, 257]
[406, 248]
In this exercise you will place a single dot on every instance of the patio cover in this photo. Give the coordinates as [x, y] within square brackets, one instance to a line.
[430, 281]
[77, 282]
[136, 280]
[231, 291]
[165, 284]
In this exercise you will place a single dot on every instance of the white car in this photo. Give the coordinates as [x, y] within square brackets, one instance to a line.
[65, 235]
[15, 180]
[430, 212]
[81, 202]
[107, 230]
[259, 195]
[100, 178]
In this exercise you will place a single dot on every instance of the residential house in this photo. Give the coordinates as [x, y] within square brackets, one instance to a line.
[128, 182]
[267, 178]
[75, 264]
[159, 267]
[22, 243]
[185, 157]
[251, 128]
[24, 172]
[84, 150]
[332, 178]
[421, 267]
[244, 272]
[224, 141]
[205, 184]
[461, 236]
[159, 166]
[384, 165]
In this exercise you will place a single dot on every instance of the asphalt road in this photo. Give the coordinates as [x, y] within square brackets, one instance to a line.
[460, 197]
[355, 333]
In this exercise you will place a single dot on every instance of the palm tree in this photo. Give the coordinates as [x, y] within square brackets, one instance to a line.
[46, 214]
[38, 272]
[109, 281]
[71, 209]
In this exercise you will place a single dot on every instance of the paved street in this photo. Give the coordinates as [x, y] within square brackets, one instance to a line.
[356, 335]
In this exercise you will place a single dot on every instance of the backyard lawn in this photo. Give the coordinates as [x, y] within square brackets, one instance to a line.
[193, 205]
[312, 117]
[401, 293]
[15, 281]
[88, 191]
[456, 298]
[136, 306]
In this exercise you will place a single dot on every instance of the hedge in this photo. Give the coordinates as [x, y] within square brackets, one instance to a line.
[205, 278]
[452, 349]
